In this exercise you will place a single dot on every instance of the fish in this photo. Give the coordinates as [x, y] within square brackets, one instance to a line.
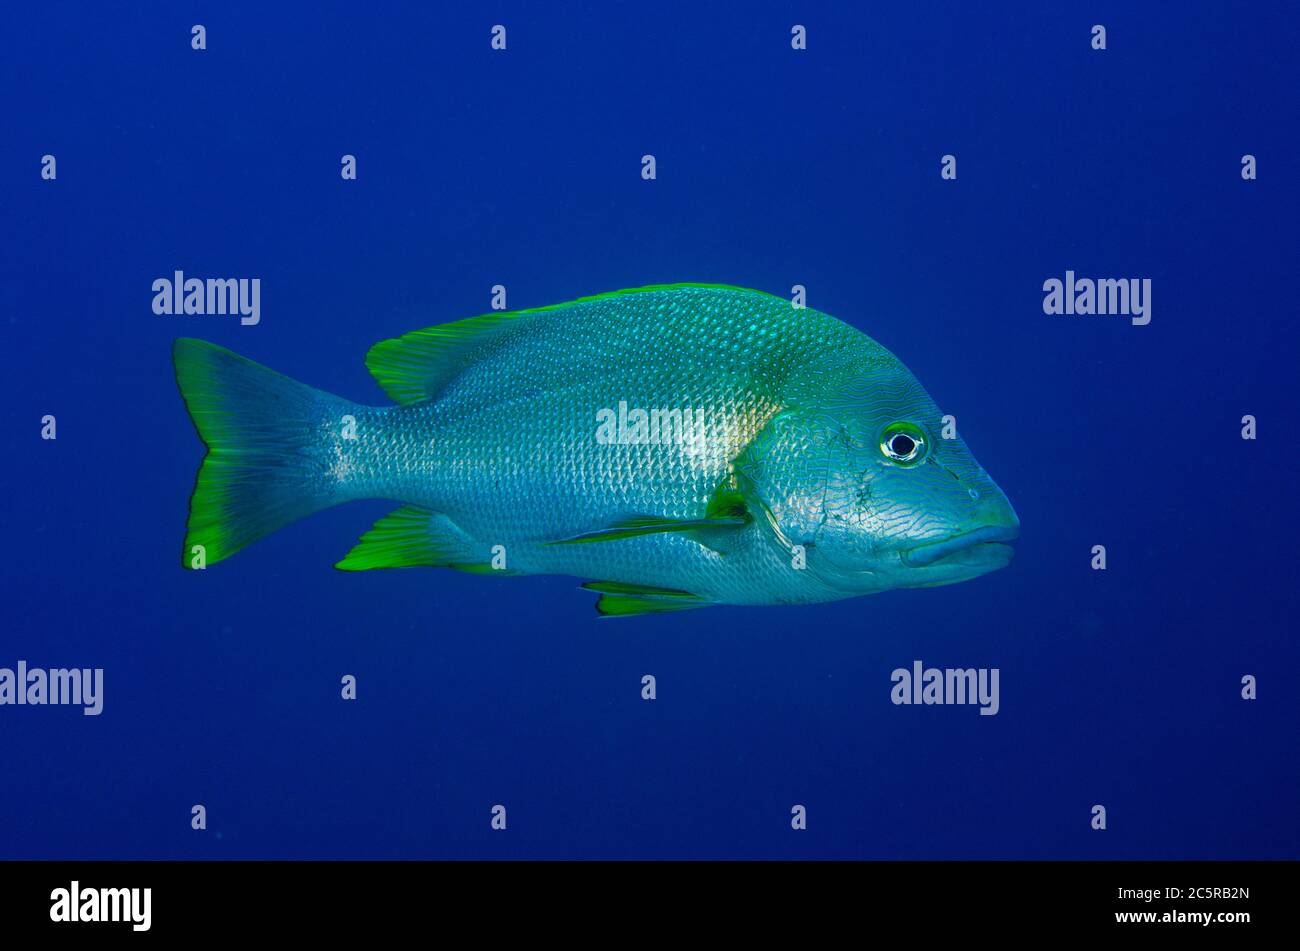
[675, 446]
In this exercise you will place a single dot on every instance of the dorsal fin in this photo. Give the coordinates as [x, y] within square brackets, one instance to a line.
[415, 366]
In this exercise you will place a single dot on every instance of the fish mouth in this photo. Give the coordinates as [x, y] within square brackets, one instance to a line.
[982, 542]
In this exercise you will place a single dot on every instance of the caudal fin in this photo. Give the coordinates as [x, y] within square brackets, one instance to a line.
[266, 436]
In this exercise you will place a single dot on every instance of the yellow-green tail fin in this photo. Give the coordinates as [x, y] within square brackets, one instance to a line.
[265, 434]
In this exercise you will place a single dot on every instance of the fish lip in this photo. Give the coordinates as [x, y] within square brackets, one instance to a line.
[930, 552]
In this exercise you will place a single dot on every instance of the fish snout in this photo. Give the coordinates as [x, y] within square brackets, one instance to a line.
[983, 539]
[986, 540]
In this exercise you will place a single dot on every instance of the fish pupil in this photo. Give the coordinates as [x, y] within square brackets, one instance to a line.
[902, 445]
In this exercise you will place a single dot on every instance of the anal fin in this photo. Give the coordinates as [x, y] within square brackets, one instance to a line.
[412, 536]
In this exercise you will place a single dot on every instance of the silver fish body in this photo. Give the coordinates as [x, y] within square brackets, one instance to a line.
[678, 446]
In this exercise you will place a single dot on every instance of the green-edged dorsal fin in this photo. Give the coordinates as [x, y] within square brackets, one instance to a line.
[413, 536]
[619, 599]
[415, 366]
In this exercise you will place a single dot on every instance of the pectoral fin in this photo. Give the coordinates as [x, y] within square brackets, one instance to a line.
[647, 525]
[725, 514]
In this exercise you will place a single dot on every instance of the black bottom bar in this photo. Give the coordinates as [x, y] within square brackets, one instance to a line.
[334, 899]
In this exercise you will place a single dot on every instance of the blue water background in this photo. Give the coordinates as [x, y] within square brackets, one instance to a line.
[775, 168]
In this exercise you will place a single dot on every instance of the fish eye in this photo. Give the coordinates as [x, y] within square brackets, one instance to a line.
[903, 444]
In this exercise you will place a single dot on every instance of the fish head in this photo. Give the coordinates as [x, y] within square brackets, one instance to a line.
[880, 491]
